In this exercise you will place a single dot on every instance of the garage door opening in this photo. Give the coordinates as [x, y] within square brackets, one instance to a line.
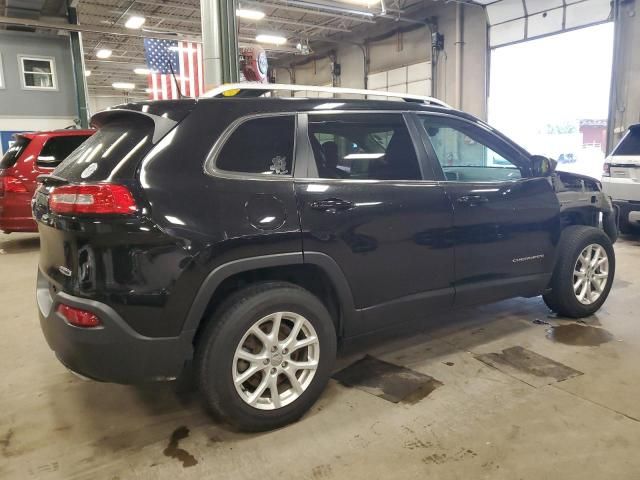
[551, 95]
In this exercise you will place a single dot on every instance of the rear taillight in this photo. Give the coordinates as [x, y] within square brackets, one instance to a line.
[606, 169]
[13, 184]
[78, 317]
[99, 199]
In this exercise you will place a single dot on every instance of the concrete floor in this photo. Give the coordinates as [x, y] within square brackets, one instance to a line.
[482, 422]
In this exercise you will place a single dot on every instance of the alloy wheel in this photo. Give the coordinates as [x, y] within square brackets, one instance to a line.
[590, 274]
[276, 360]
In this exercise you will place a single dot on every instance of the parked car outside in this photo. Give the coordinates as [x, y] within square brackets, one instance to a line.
[31, 155]
[249, 235]
[621, 179]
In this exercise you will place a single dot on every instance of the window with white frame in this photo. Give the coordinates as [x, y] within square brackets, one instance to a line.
[38, 73]
[1, 73]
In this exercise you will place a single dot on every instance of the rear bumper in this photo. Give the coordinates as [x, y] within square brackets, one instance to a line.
[629, 212]
[113, 352]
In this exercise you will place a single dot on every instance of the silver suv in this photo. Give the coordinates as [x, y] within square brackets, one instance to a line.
[621, 179]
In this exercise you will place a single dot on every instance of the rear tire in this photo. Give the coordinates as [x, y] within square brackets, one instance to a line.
[240, 339]
[583, 274]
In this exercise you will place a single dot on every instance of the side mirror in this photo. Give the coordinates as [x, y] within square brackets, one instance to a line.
[542, 166]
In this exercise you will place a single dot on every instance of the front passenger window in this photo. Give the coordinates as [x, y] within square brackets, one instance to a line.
[464, 158]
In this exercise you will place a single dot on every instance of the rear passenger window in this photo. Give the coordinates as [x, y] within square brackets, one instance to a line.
[366, 147]
[262, 146]
[57, 149]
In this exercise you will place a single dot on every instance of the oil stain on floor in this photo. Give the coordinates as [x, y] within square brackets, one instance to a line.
[527, 366]
[180, 454]
[579, 335]
[388, 381]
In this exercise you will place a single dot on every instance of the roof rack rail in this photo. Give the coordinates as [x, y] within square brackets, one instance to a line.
[256, 89]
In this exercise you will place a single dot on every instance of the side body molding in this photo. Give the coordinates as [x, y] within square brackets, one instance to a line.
[222, 272]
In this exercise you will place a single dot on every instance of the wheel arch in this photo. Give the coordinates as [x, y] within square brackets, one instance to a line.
[282, 266]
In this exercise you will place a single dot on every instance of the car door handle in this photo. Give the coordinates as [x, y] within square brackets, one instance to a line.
[331, 205]
[472, 200]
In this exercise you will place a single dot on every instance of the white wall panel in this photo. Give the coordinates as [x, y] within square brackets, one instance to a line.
[538, 6]
[504, 11]
[509, 32]
[509, 22]
[415, 79]
[397, 76]
[545, 23]
[418, 71]
[588, 12]
[402, 88]
[421, 87]
[377, 81]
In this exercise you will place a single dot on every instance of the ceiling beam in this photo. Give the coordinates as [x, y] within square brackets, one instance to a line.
[308, 11]
[96, 29]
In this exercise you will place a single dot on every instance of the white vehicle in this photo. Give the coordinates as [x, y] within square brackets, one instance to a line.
[621, 179]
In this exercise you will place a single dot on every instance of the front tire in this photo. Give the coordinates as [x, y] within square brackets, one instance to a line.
[583, 274]
[266, 356]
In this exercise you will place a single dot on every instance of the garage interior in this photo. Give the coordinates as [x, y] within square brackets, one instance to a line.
[513, 390]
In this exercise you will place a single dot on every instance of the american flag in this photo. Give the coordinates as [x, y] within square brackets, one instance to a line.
[184, 58]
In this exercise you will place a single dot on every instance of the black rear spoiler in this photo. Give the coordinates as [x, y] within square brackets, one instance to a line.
[161, 125]
[49, 179]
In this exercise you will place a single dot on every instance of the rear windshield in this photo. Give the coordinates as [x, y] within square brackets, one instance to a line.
[630, 143]
[58, 148]
[113, 152]
[15, 150]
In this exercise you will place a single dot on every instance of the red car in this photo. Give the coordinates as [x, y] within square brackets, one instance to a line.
[30, 155]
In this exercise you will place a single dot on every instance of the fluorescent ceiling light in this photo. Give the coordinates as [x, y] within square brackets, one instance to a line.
[273, 39]
[123, 85]
[368, 3]
[87, 73]
[250, 14]
[141, 71]
[134, 22]
[103, 53]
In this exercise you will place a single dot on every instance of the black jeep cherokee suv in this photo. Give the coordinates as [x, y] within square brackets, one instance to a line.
[248, 235]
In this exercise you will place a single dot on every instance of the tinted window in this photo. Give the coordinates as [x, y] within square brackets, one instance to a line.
[464, 157]
[112, 151]
[57, 149]
[363, 146]
[15, 150]
[261, 145]
[630, 144]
